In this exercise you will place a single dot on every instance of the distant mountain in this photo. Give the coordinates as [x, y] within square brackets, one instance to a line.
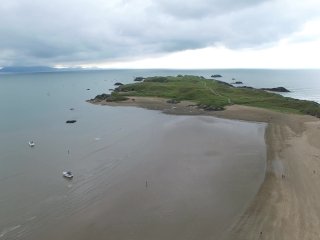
[17, 69]
[23, 69]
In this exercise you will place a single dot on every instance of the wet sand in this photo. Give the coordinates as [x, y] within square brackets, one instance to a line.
[287, 205]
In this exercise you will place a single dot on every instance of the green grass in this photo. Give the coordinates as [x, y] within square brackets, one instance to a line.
[216, 94]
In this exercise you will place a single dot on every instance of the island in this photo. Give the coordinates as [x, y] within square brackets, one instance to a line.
[287, 203]
[216, 76]
[206, 94]
[118, 84]
[276, 89]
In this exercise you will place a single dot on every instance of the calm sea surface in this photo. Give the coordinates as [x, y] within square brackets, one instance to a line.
[116, 153]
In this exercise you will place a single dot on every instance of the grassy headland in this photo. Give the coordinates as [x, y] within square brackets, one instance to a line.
[212, 94]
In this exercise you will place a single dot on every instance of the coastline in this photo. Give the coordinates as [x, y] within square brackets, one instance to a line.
[286, 206]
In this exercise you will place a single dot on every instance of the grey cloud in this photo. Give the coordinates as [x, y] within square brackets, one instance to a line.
[200, 9]
[41, 32]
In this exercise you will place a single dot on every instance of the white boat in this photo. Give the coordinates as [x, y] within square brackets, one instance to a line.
[67, 174]
[31, 143]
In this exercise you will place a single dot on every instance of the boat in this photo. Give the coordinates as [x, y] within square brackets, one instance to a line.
[67, 174]
[31, 143]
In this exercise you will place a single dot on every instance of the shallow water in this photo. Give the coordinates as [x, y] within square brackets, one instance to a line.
[154, 175]
[174, 177]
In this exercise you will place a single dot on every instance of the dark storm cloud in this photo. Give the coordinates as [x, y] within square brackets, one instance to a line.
[41, 32]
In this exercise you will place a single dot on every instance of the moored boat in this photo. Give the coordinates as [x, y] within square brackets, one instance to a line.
[67, 174]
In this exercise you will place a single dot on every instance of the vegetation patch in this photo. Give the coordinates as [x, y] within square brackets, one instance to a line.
[113, 97]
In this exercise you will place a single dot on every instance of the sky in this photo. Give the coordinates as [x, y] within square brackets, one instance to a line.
[160, 33]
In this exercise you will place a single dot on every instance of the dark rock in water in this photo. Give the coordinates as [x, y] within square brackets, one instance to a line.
[237, 82]
[118, 84]
[276, 89]
[216, 76]
[88, 89]
[71, 121]
[173, 101]
[71, 109]
[139, 79]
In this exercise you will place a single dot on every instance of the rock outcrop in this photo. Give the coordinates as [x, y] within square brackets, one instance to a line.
[216, 76]
[173, 101]
[138, 79]
[276, 89]
[210, 108]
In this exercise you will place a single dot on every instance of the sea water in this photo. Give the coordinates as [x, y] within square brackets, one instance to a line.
[109, 144]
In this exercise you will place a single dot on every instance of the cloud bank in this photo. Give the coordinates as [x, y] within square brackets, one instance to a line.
[74, 32]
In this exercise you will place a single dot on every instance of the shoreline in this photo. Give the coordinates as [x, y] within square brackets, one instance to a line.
[287, 203]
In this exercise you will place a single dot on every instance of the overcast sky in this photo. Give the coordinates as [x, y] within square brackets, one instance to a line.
[161, 33]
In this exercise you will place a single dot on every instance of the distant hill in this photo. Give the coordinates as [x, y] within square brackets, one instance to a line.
[33, 69]
[17, 69]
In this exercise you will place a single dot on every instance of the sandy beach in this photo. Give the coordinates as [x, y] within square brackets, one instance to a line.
[287, 204]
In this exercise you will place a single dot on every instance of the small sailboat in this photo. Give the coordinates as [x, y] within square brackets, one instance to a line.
[31, 143]
[67, 174]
